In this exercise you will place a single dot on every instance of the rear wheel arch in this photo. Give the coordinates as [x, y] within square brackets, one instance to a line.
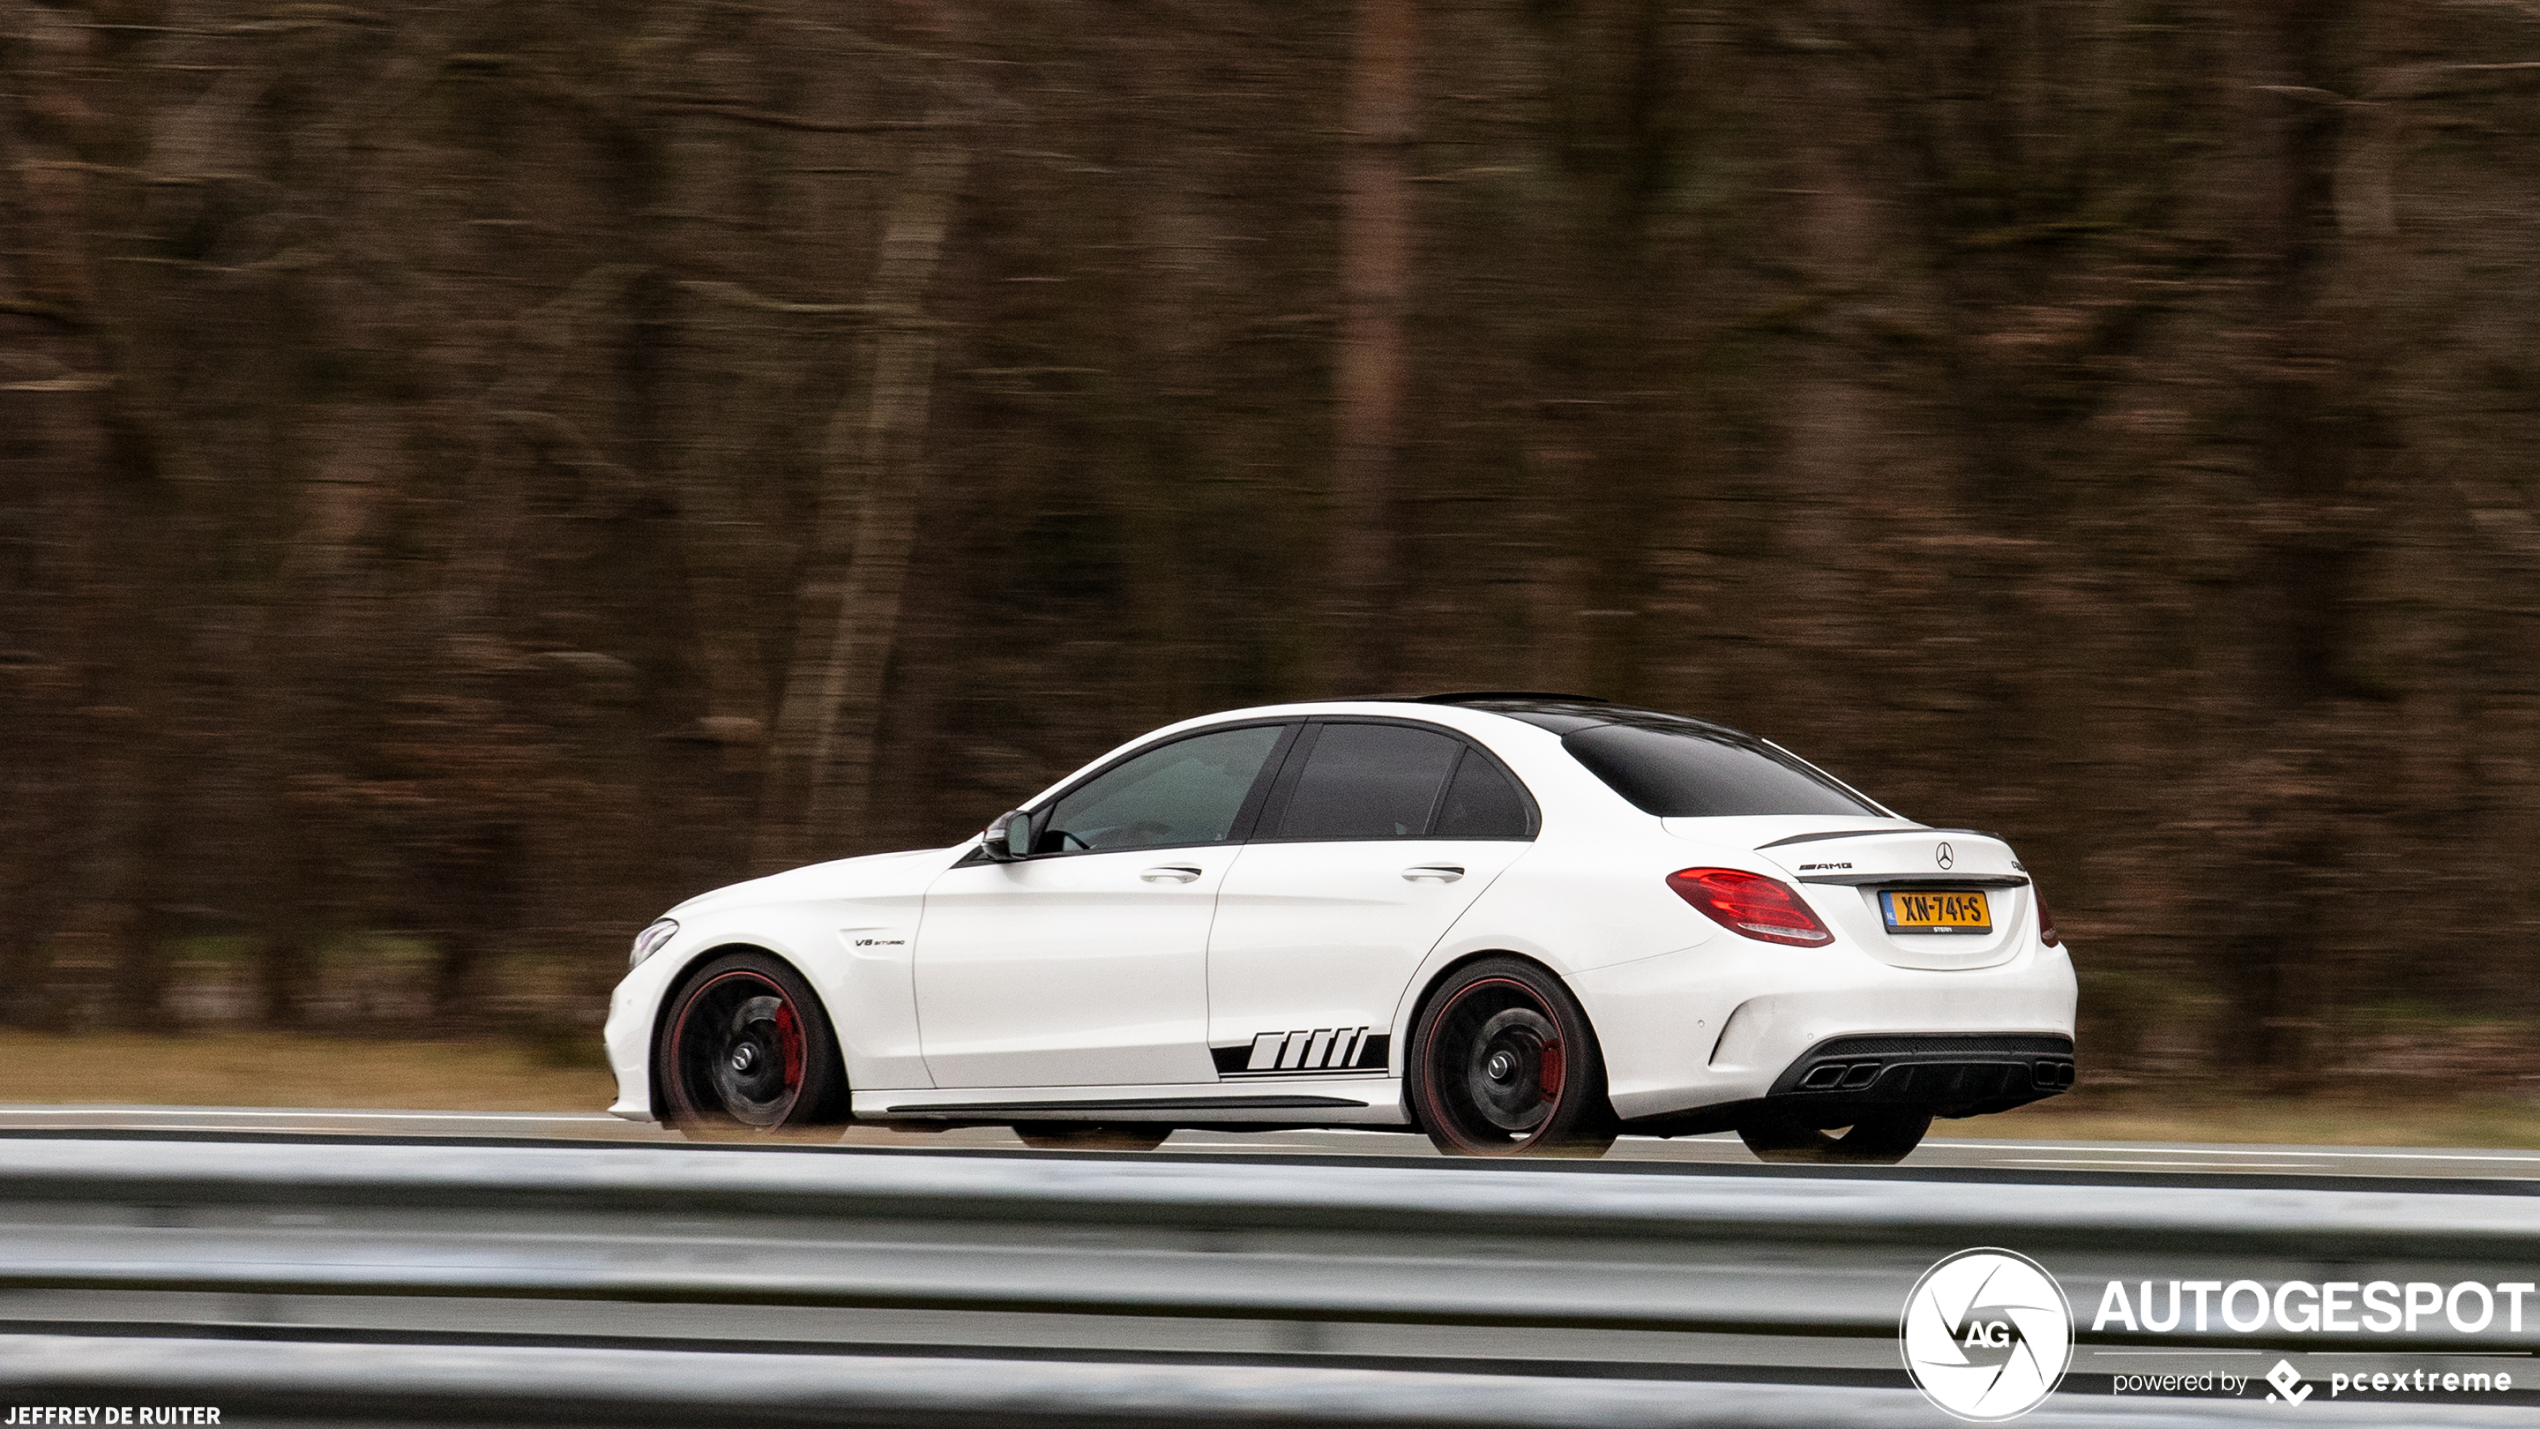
[1446, 971]
[1408, 1036]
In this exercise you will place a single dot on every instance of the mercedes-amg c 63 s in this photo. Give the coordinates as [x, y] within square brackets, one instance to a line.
[1518, 923]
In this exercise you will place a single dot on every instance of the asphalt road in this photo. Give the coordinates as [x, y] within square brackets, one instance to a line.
[2014, 1156]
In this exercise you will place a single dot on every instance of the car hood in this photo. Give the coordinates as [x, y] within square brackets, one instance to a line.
[872, 875]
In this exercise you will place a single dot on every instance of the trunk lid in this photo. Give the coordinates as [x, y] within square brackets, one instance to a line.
[1843, 870]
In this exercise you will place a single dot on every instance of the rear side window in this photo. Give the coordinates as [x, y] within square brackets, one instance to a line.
[1369, 781]
[1694, 773]
[1480, 804]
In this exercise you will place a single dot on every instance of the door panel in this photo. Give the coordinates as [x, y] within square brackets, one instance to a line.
[1082, 971]
[1322, 937]
[1321, 925]
[1087, 965]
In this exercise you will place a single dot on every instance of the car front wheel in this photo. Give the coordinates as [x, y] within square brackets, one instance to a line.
[746, 1050]
[1503, 1063]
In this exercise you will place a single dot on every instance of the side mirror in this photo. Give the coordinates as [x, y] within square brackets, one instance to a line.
[1009, 838]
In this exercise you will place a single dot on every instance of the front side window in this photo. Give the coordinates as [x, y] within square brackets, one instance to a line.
[1368, 781]
[1697, 772]
[1184, 793]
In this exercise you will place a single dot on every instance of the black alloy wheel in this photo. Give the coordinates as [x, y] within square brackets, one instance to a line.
[746, 1050]
[1503, 1063]
[1090, 1136]
[1877, 1139]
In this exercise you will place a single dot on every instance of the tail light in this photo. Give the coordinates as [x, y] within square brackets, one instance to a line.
[2045, 920]
[1752, 904]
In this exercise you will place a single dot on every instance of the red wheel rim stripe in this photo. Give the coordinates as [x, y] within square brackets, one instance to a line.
[1549, 1071]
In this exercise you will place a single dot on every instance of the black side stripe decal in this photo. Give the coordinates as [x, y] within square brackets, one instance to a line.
[1304, 1052]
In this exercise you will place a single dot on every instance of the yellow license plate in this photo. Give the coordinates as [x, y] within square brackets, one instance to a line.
[1936, 910]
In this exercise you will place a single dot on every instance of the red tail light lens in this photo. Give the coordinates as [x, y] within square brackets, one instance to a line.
[1751, 904]
[2045, 920]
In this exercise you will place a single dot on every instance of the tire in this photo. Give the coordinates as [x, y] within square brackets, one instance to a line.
[1090, 1136]
[1503, 1063]
[746, 1050]
[1879, 1139]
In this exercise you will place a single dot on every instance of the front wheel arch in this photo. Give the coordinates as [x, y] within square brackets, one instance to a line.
[695, 964]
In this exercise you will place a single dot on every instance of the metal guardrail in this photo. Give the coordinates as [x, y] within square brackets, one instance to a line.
[1575, 1257]
[1681, 1201]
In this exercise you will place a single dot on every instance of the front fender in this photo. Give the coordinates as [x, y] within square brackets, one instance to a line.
[849, 928]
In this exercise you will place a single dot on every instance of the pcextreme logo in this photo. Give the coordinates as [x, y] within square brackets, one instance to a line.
[1987, 1335]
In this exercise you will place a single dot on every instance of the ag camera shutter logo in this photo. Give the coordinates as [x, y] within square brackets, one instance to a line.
[1987, 1335]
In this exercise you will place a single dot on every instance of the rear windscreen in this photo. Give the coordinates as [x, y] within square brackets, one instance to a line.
[1692, 773]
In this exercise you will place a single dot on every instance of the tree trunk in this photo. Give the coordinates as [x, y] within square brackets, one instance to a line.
[820, 767]
[1375, 288]
[2305, 417]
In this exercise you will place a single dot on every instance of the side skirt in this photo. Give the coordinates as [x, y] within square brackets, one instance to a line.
[1369, 1101]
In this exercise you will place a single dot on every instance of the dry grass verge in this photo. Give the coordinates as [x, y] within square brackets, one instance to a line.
[296, 1070]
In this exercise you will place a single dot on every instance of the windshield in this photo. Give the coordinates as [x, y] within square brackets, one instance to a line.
[1692, 772]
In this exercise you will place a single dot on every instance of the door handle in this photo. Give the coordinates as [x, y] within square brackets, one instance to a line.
[1433, 872]
[1171, 873]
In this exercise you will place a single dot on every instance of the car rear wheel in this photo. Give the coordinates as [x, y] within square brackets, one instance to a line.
[1090, 1136]
[1877, 1139]
[746, 1051]
[1503, 1063]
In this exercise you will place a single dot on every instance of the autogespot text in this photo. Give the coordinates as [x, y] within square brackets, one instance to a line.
[2364, 1307]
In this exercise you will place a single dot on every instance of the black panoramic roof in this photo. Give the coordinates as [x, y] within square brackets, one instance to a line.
[1484, 697]
[1567, 714]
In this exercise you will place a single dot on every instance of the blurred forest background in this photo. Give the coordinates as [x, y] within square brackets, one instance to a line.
[473, 473]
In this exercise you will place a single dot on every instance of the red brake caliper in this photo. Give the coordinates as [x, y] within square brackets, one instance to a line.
[789, 1031]
[1548, 1071]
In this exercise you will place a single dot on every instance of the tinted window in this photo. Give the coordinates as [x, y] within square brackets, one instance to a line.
[1697, 773]
[1481, 804]
[1368, 781]
[1187, 792]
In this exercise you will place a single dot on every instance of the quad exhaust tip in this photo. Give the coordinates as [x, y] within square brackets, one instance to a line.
[2046, 1074]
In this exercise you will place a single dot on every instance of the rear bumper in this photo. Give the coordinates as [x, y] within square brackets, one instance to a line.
[1953, 1075]
[1842, 1079]
[1724, 1023]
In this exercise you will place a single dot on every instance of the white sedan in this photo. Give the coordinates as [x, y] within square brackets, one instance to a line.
[1518, 923]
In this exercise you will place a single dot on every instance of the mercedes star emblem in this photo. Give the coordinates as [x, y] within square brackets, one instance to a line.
[1948, 858]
